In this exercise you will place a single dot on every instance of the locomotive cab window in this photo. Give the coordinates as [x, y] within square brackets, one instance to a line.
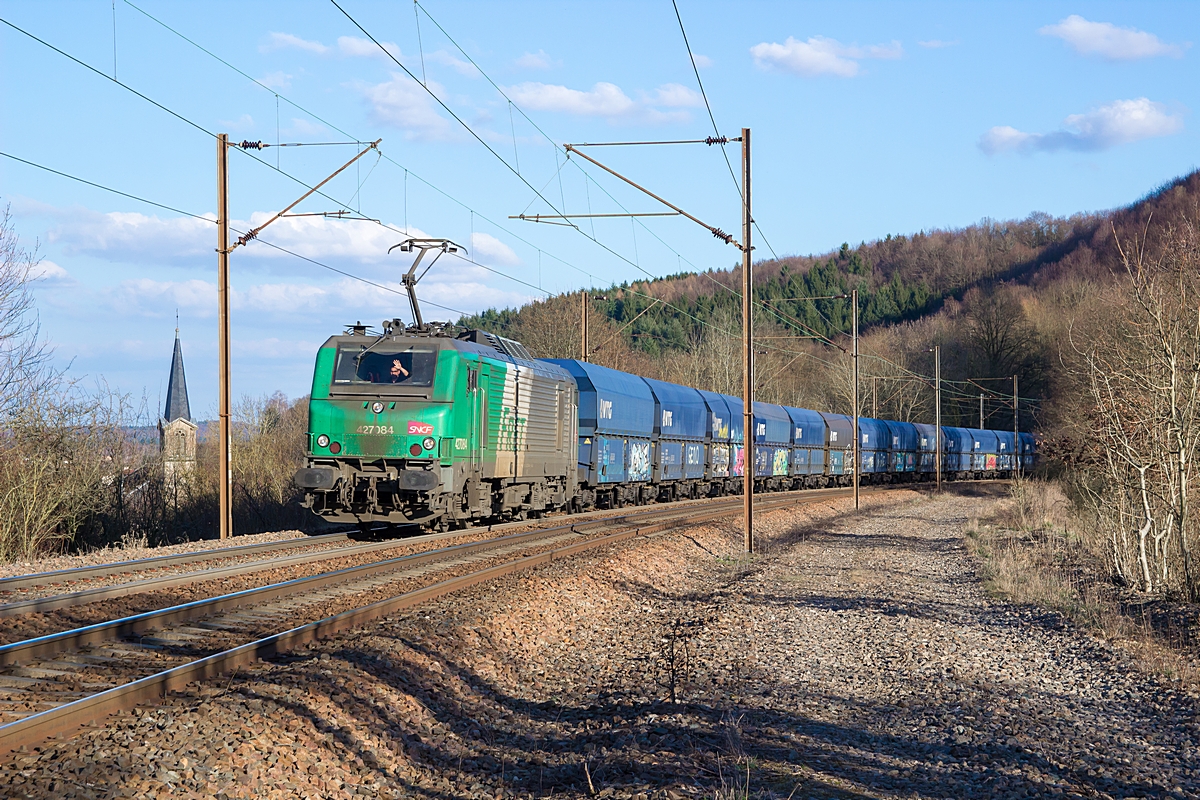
[406, 366]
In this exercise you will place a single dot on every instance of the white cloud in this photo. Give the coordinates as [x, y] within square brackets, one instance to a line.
[287, 41]
[303, 127]
[608, 100]
[134, 237]
[702, 62]
[604, 100]
[820, 56]
[274, 348]
[487, 249]
[1119, 122]
[674, 95]
[354, 46]
[243, 123]
[404, 104]
[936, 44]
[276, 80]
[271, 297]
[457, 64]
[462, 290]
[322, 239]
[1109, 42]
[151, 298]
[351, 46]
[538, 60]
[138, 238]
[50, 274]
[359, 247]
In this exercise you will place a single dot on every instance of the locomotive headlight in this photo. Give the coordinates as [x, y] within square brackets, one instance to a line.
[428, 443]
[322, 441]
[377, 407]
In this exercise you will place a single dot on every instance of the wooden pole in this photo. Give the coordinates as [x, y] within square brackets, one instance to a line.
[937, 405]
[857, 458]
[747, 350]
[225, 466]
[1016, 430]
[584, 322]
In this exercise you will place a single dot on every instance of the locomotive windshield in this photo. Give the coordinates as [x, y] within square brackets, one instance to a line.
[405, 366]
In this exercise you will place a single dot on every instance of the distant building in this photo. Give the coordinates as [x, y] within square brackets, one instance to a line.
[176, 431]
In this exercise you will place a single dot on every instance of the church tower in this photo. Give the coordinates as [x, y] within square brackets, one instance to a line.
[176, 431]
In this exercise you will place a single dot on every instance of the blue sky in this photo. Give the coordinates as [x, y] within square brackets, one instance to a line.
[867, 119]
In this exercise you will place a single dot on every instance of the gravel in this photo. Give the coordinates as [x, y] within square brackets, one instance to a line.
[856, 655]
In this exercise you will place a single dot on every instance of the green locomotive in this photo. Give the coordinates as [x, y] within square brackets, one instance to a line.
[417, 426]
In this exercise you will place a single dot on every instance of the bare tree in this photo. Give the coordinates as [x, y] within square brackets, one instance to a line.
[24, 356]
[1143, 373]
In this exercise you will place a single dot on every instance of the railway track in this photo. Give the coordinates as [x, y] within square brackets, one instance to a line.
[41, 592]
[21, 594]
[53, 685]
[27, 594]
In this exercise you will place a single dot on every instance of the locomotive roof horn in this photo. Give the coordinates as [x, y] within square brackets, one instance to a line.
[410, 278]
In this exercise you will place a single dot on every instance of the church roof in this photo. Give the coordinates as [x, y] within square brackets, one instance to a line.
[177, 396]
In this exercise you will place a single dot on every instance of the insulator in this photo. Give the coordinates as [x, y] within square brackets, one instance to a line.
[247, 237]
[711, 140]
[720, 234]
[248, 145]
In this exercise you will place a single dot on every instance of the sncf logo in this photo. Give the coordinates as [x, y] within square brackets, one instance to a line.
[419, 428]
[667, 417]
[606, 409]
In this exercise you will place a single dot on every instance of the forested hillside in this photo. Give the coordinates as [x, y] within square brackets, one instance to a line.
[998, 296]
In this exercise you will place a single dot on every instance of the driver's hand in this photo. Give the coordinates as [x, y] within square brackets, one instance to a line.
[398, 369]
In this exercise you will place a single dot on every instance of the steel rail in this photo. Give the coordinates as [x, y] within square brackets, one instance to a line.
[52, 644]
[66, 641]
[101, 593]
[67, 718]
[157, 562]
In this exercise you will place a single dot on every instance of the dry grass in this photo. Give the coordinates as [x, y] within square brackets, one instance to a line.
[1033, 550]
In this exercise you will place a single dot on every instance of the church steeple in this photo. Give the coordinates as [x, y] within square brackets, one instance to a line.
[177, 396]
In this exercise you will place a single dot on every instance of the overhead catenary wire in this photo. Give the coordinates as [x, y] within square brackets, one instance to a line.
[475, 135]
[500, 90]
[407, 171]
[246, 152]
[423, 180]
[212, 220]
[384, 156]
[587, 177]
[441, 102]
[240, 148]
[112, 78]
[712, 118]
[343, 205]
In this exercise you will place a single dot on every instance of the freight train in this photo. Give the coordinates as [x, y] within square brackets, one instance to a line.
[442, 428]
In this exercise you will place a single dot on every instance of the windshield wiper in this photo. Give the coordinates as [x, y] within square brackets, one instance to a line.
[387, 331]
[369, 347]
